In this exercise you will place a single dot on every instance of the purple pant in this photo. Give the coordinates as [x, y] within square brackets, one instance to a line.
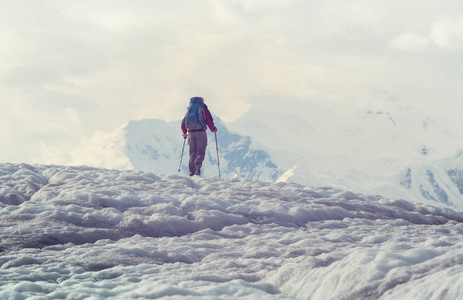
[198, 143]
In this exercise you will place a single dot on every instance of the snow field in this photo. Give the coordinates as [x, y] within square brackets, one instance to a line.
[86, 233]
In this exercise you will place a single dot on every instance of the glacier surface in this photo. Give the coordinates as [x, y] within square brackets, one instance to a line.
[88, 233]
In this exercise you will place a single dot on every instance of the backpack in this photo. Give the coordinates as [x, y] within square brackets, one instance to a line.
[194, 119]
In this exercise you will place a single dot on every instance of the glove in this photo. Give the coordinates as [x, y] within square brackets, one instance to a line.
[214, 129]
[184, 135]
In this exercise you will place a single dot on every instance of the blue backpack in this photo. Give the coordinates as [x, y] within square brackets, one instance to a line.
[194, 119]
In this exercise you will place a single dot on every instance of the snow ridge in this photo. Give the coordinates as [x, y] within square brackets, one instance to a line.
[79, 232]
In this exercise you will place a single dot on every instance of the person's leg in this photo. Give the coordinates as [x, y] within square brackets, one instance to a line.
[201, 144]
[193, 149]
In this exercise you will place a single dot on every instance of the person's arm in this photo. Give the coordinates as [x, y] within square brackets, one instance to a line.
[184, 130]
[208, 119]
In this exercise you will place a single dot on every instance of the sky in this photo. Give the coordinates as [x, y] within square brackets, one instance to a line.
[73, 71]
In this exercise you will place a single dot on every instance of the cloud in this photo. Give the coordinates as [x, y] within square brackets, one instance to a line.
[69, 69]
[411, 42]
[448, 34]
[92, 150]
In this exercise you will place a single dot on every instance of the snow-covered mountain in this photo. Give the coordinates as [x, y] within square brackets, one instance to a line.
[384, 147]
[367, 148]
[88, 233]
[439, 181]
[156, 146]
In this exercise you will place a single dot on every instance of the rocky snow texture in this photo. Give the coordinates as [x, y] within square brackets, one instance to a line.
[440, 181]
[87, 233]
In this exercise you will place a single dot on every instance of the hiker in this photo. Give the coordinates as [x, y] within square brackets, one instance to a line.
[195, 122]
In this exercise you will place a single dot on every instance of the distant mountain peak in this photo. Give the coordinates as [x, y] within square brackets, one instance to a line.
[155, 145]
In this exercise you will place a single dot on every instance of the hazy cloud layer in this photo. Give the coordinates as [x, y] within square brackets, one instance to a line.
[70, 69]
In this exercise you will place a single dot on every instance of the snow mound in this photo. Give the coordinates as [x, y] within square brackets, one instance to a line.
[80, 232]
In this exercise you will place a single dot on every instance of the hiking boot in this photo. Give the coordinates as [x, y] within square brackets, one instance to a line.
[198, 171]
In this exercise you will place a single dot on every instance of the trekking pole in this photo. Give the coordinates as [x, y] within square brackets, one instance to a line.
[181, 157]
[217, 148]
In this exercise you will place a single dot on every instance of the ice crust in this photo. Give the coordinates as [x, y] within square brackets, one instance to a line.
[88, 233]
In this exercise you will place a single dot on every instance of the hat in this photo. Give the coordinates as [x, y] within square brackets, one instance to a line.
[196, 99]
